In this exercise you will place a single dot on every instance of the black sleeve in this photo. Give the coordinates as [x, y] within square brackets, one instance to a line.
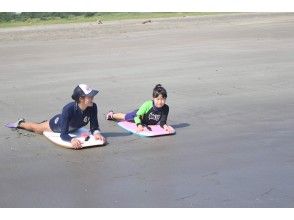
[94, 125]
[164, 115]
[65, 117]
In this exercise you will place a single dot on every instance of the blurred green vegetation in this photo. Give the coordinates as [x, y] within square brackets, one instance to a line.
[11, 19]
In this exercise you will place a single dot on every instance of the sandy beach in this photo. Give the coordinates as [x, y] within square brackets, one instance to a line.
[229, 79]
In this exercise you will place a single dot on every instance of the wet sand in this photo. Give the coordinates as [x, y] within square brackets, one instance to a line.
[230, 90]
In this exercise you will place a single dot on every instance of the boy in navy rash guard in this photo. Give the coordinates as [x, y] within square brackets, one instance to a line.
[72, 118]
[74, 115]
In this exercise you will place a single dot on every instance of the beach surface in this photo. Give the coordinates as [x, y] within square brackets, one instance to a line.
[229, 80]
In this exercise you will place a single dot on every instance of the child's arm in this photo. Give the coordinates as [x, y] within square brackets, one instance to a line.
[64, 124]
[65, 117]
[163, 119]
[94, 125]
[142, 111]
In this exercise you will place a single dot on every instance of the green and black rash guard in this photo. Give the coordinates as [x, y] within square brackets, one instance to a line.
[149, 114]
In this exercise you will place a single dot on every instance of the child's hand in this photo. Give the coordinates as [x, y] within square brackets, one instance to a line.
[167, 128]
[99, 137]
[140, 128]
[76, 143]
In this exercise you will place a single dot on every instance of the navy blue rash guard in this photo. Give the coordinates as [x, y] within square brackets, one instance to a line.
[73, 118]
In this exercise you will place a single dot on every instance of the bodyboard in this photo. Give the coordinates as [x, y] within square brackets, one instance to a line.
[83, 134]
[149, 131]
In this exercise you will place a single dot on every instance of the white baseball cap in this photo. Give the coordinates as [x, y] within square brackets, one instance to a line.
[83, 90]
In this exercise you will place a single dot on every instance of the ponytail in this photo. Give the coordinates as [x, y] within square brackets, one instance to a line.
[159, 90]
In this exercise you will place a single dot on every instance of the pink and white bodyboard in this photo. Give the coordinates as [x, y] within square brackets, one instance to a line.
[154, 130]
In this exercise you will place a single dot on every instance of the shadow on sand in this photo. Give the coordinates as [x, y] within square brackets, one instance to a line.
[180, 125]
[116, 134]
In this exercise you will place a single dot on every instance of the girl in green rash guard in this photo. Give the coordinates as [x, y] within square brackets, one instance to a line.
[152, 112]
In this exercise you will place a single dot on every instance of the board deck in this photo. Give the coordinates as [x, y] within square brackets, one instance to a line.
[150, 131]
[80, 134]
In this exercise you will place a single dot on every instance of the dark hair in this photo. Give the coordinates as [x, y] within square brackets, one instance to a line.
[159, 90]
[77, 93]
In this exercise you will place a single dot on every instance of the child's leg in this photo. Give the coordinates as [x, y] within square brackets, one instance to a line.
[35, 127]
[131, 115]
[115, 116]
[121, 116]
[118, 116]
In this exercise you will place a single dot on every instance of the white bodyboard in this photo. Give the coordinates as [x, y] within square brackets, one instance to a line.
[79, 134]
